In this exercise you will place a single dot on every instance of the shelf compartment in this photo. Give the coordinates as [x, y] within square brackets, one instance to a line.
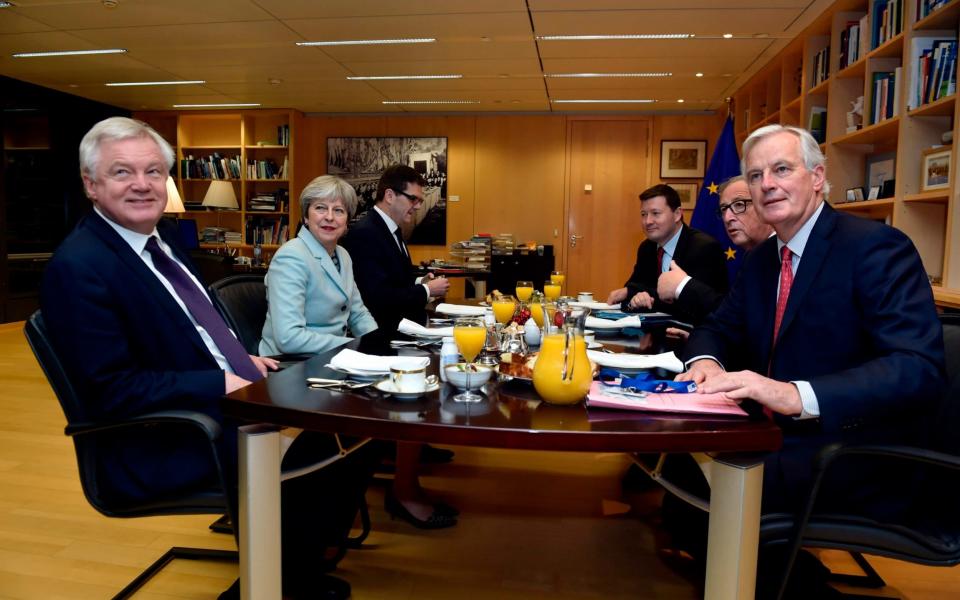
[820, 88]
[932, 197]
[944, 107]
[892, 48]
[883, 205]
[878, 132]
[856, 70]
[945, 17]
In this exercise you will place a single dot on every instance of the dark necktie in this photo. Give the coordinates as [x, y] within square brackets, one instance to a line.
[403, 249]
[660, 260]
[786, 282]
[203, 312]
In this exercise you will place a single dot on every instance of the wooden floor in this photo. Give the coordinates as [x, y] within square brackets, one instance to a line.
[534, 525]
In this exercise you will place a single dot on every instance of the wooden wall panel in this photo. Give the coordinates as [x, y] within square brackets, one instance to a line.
[520, 175]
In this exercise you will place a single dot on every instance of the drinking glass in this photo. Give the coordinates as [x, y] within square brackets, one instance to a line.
[524, 291]
[557, 278]
[551, 290]
[504, 308]
[470, 334]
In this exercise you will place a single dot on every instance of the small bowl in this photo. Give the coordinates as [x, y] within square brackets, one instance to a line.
[457, 377]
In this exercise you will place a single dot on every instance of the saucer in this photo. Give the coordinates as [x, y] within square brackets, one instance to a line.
[386, 386]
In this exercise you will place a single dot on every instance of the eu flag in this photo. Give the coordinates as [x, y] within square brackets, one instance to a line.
[724, 164]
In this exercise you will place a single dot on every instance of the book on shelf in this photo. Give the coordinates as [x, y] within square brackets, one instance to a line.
[925, 7]
[267, 230]
[818, 123]
[850, 44]
[266, 169]
[821, 66]
[276, 201]
[887, 20]
[935, 75]
[886, 95]
[283, 135]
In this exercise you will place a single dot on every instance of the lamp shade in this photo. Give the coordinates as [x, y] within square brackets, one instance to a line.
[174, 203]
[220, 194]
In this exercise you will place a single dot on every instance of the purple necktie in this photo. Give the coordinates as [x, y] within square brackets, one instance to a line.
[204, 313]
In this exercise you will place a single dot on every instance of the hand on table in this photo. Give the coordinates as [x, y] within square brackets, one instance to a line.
[617, 296]
[779, 396]
[641, 300]
[265, 364]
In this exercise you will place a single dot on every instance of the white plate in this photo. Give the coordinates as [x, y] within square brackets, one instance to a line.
[594, 346]
[386, 386]
[360, 375]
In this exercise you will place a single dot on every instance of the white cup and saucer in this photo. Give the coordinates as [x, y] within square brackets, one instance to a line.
[406, 382]
[585, 297]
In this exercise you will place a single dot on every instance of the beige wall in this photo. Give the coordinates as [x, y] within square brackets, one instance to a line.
[510, 172]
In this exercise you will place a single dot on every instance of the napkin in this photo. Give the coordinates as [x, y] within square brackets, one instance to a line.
[358, 362]
[596, 305]
[417, 330]
[459, 310]
[630, 321]
[667, 360]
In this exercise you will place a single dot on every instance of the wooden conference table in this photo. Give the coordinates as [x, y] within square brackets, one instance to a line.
[513, 417]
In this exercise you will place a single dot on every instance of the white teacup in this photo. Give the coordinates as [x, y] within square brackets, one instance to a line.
[408, 380]
[585, 297]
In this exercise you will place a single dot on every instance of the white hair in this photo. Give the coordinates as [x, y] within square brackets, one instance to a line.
[809, 148]
[116, 129]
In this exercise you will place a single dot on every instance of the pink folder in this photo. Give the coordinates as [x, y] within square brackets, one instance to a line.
[711, 404]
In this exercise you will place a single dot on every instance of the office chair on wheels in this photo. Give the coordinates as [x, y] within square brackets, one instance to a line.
[86, 434]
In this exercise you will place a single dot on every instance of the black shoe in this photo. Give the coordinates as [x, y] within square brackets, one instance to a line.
[431, 455]
[443, 508]
[437, 520]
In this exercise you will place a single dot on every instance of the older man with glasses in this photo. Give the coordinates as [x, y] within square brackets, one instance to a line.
[741, 221]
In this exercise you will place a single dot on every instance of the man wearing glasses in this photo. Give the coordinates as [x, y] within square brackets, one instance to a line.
[381, 261]
[744, 228]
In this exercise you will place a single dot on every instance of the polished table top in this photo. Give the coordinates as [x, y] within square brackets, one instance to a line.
[511, 416]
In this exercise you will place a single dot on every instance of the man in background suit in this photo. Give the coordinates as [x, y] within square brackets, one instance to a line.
[834, 323]
[670, 242]
[381, 262]
[137, 333]
[744, 228]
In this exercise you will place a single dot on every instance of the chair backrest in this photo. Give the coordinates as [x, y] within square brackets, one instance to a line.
[242, 300]
[98, 489]
[948, 421]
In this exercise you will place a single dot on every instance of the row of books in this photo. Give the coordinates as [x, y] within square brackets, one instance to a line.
[821, 66]
[886, 95]
[852, 44]
[213, 166]
[925, 7]
[887, 20]
[219, 235]
[283, 135]
[262, 230]
[936, 75]
[266, 169]
[277, 201]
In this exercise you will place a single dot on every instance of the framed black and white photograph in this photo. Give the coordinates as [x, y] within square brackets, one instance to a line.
[874, 192]
[935, 169]
[683, 159]
[880, 168]
[361, 160]
[687, 193]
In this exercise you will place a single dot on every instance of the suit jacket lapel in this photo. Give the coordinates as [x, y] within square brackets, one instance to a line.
[389, 236]
[814, 255]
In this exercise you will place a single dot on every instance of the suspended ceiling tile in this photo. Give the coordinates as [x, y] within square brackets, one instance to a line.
[474, 68]
[91, 14]
[442, 27]
[301, 9]
[598, 5]
[286, 72]
[697, 21]
[678, 65]
[214, 37]
[447, 50]
[465, 84]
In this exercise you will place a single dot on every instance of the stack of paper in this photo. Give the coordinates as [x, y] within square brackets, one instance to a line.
[602, 396]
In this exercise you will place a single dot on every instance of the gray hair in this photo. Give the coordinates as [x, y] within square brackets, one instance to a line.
[723, 186]
[809, 148]
[115, 129]
[328, 187]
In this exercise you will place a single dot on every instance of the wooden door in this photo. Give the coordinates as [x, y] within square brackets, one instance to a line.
[612, 159]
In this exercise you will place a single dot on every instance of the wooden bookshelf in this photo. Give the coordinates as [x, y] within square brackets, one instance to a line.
[932, 218]
[251, 135]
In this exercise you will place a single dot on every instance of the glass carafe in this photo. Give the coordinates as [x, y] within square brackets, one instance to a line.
[563, 374]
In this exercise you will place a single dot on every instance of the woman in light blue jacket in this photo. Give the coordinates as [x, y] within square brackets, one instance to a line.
[314, 304]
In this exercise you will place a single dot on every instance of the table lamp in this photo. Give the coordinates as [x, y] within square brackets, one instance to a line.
[220, 194]
[174, 203]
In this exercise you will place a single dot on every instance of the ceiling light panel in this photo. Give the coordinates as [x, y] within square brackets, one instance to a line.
[58, 53]
[151, 83]
[400, 77]
[382, 42]
[615, 75]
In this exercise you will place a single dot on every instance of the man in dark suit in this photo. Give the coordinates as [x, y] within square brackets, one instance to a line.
[744, 228]
[137, 333]
[671, 242]
[834, 322]
[381, 262]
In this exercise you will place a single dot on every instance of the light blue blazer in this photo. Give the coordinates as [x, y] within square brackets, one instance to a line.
[311, 305]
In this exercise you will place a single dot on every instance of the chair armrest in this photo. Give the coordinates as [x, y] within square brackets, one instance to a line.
[831, 452]
[204, 422]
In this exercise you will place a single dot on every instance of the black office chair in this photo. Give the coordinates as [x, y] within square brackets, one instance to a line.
[242, 300]
[98, 489]
[930, 535]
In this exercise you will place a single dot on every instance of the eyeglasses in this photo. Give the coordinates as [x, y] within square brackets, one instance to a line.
[737, 207]
[415, 200]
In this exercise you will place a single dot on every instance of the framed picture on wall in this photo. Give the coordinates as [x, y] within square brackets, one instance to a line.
[687, 193]
[683, 159]
[935, 169]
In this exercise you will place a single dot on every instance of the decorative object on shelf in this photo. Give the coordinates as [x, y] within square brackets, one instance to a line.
[682, 159]
[888, 188]
[221, 195]
[855, 115]
[947, 137]
[935, 170]
[687, 193]
[855, 194]
[874, 192]
[174, 203]
[361, 160]
[880, 168]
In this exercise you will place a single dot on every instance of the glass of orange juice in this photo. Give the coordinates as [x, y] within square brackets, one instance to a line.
[558, 278]
[524, 290]
[503, 309]
[551, 290]
[470, 334]
[536, 312]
